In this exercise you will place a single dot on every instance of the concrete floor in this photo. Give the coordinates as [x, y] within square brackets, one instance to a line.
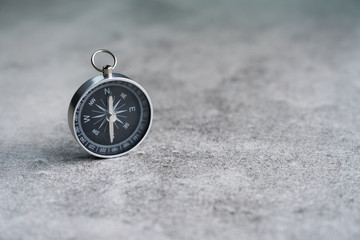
[256, 131]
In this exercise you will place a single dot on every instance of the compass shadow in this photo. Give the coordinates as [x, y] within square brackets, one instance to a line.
[66, 151]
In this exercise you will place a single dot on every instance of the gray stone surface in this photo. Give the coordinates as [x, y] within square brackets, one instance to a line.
[256, 132]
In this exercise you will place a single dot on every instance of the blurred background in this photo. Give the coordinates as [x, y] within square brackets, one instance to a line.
[173, 45]
[256, 120]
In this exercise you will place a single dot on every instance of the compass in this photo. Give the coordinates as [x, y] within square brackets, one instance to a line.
[110, 114]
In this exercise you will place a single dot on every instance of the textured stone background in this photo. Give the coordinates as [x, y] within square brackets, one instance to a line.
[256, 132]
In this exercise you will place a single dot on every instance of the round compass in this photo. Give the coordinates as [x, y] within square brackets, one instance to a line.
[109, 115]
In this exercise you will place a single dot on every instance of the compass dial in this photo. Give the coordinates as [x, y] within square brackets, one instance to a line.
[112, 117]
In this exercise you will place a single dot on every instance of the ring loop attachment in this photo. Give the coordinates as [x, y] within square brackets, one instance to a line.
[104, 51]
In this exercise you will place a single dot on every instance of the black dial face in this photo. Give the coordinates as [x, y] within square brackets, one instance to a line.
[112, 118]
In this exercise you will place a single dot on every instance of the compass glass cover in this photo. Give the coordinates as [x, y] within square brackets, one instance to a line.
[112, 118]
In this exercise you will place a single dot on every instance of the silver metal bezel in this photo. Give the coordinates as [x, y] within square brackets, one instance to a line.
[88, 86]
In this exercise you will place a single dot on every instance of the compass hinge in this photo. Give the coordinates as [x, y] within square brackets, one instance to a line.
[107, 71]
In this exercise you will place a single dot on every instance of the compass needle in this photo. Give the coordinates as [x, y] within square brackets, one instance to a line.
[112, 117]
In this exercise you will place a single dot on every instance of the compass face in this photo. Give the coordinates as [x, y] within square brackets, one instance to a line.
[112, 117]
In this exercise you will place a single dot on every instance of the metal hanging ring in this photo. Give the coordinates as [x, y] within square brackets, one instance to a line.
[104, 51]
